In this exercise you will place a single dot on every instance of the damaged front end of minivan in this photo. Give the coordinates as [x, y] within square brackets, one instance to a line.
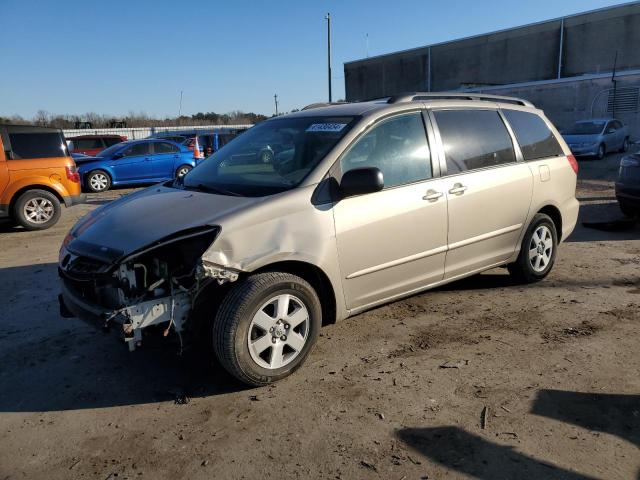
[154, 287]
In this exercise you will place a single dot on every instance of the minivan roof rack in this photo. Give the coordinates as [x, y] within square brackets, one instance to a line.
[422, 96]
[322, 104]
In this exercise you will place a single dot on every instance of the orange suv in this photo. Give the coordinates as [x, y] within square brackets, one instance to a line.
[36, 175]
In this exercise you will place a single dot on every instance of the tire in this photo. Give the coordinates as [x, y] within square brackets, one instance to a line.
[37, 210]
[527, 268]
[625, 145]
[601, 152]
[98, 181]
[249, 302]
[628, 210]
[182, 170]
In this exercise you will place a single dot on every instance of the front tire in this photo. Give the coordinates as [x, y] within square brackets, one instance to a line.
[628, 210]
[537, 252]
[625, 145]
[601, 152]
[266, 326]
[98, 181]
[37, 210]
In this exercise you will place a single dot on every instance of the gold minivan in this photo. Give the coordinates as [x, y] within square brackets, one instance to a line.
[37, 175]
[359, 204]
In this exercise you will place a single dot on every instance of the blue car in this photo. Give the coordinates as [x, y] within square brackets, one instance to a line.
[134, 162]
[597, 137]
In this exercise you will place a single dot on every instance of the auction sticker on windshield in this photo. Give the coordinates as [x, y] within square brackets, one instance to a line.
[326, 127]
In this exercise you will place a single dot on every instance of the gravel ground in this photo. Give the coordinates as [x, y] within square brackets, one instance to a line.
[478, 379]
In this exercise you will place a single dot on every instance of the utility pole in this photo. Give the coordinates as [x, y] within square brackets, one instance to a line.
[328, 19]
[275, 99]
[615, 85]
[180, 107]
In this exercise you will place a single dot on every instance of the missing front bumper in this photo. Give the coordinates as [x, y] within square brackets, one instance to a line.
[132, 320]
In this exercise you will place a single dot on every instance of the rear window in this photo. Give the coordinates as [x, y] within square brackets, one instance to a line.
[109, 141]
[37, 145]
[535, 139]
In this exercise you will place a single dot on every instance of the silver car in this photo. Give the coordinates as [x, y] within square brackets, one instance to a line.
[597, 137]
[361, 204]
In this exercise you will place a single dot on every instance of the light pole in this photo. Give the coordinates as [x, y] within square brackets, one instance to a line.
[328, 19]
[275, 99]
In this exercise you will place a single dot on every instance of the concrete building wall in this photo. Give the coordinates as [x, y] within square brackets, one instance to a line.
[529, 53]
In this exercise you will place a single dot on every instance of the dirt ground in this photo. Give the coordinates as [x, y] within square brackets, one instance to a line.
[479, 379]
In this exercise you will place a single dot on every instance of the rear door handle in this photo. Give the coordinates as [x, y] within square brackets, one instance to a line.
[458, 189]
[432, 195]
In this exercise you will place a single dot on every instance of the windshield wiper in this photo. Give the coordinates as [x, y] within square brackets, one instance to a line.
[211, 189]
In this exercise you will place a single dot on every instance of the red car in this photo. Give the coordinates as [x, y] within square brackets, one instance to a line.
[92, 144]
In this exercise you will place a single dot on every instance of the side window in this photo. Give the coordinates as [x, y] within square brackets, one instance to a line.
[137, 149]
[533, 135]
[88, 143]
[26, 145]
[163, 147]
[474, 139]
[110, 141]
[397, 146]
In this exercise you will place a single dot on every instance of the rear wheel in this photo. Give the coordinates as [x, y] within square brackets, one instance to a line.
[537, 252]
[266, 326]
[182, 170]
[98, 181]
[37, 210]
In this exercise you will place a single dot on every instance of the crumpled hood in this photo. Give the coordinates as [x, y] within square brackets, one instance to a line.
[142, 218]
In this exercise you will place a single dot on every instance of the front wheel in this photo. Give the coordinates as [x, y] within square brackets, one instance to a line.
[266, 326]
[625, 145]
[601, 152]
[537, 252]
[98, 181]
[628, 211]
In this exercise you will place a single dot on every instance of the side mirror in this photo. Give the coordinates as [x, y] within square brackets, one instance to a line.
[118, 155]
[611, 130]
[361, 180]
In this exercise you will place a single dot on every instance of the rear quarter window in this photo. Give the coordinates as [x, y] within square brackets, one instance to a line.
[535, 139]
[37, 145]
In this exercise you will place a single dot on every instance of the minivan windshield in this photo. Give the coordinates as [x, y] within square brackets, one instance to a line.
[269, 158]
[585, 128]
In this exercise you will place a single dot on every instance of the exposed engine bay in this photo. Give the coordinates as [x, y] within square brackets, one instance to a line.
[156, 286]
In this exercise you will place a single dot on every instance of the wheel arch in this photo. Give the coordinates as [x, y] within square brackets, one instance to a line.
[553, 212]
[20, 191]
[316, 277]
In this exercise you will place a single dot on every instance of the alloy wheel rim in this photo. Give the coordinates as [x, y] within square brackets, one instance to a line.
[39, 210]
[541, 248]
[99, 181]
[183, 171]
[278, 331]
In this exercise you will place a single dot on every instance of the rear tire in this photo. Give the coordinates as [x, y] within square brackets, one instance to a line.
[37, 210]
[266, 326]
[537, 252]
[182, 170]
[98, 181]
[628, 210]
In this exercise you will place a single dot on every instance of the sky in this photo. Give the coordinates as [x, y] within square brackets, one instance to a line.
[77, 56]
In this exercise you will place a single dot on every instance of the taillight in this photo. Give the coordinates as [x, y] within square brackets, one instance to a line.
[573, 162]
[72, 173]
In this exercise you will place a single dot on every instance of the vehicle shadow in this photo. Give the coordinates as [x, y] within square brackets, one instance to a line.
[615, 414]
[48, 363]
[603, 222]
[477, 457]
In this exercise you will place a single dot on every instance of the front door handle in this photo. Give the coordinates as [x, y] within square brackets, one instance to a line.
[458, 189]
[432, 195]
